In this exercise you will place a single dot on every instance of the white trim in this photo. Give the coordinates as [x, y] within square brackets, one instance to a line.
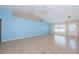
[18, 38]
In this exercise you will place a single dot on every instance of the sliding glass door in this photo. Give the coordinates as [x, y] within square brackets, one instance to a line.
[72, 29]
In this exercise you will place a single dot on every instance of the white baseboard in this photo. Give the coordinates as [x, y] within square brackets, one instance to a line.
[18, 38]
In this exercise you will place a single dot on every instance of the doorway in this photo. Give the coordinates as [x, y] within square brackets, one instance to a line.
[0, 30]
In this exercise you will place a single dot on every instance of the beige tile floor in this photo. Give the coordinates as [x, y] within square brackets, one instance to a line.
[47, 44]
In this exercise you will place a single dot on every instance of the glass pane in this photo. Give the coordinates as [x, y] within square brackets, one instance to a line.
[60, 28]
[72, 29]
[57, 30]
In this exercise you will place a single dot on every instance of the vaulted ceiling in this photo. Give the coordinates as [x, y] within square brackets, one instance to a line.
[48, 13]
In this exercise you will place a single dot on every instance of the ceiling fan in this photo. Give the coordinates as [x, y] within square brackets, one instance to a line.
[45, 10]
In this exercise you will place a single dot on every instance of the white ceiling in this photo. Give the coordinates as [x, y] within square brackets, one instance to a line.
[54, 13]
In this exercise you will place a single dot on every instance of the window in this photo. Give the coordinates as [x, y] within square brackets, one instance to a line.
[68, 28]
[57, 28]
[72, 28]
[60, 28]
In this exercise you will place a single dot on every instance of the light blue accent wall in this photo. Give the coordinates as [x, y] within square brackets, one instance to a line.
[15, 27]
[24, 27]
[5, 15]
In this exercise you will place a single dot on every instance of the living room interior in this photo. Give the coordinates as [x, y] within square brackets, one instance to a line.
[39, 29]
